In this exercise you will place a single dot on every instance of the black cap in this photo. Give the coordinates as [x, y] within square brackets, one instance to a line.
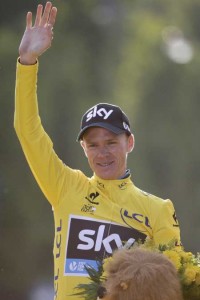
[105, 115]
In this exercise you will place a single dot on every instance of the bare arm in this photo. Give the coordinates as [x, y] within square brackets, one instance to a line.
[37, 38]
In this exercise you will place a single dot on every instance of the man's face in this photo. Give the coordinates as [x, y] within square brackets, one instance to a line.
[107, 152]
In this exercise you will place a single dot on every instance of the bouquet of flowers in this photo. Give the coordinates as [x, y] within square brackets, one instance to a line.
[186, 264]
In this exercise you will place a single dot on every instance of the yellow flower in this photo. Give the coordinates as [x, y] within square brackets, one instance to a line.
[190, 274]
[186, 264]
[105, 262]
[174, 257]
[186, 256]
[197, 279]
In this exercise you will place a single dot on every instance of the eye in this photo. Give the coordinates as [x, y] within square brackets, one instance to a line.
[112, 142]
[92, 145]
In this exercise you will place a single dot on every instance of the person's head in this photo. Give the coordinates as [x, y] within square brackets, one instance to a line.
[141, 274]
[106, 138]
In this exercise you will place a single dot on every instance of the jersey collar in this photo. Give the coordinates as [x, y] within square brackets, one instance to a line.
[121, 183]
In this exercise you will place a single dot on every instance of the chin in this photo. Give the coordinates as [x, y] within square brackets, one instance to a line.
[107, 176]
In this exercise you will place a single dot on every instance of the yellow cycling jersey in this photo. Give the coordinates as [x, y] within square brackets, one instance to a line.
[92, 216]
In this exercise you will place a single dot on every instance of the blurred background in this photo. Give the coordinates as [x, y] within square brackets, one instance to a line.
[143, 55]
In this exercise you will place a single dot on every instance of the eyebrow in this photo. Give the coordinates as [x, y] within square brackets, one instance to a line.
[106, 140]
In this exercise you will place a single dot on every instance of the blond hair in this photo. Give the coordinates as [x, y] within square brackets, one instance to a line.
[140, 274]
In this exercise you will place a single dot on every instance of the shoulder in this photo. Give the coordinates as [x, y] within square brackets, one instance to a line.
[155, 201]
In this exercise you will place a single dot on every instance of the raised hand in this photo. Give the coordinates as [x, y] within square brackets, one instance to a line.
[37, 39]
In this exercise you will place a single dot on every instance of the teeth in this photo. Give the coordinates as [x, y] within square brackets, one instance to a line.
[105, 165]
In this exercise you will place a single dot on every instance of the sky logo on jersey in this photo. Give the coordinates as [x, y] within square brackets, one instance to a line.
[91, 239]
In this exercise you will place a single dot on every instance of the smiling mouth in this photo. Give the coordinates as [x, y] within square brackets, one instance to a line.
[105, 164]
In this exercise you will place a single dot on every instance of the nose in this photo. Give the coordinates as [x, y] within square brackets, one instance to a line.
[103, 151]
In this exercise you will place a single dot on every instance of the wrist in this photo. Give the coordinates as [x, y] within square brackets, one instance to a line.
[27, 60]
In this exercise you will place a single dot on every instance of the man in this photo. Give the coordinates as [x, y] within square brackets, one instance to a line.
[93, 216]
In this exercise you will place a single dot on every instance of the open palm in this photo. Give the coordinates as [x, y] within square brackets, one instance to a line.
[37, 39]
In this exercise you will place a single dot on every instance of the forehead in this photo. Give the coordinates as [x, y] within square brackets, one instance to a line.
[99, 133]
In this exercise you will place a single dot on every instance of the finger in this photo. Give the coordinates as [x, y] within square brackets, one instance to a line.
[29, 20]
[46, 14]
[38, 15]
[52, 17]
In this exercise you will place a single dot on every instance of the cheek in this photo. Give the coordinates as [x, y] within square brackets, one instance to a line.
[90, 156]
[123, 150]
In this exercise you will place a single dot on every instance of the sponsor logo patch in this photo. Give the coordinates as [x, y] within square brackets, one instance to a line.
[90, 240]
[101, 112]
[88, 209]
[128, 217]
[91, 198]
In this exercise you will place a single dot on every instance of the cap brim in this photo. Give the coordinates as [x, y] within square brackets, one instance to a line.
[110, 127]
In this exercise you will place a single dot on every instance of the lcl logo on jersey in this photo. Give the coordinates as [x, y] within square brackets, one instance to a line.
[127, 217]
[101, 112]
[122, 186]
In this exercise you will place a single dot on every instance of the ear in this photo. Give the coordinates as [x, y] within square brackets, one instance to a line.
[131, 143]
[84, 147]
